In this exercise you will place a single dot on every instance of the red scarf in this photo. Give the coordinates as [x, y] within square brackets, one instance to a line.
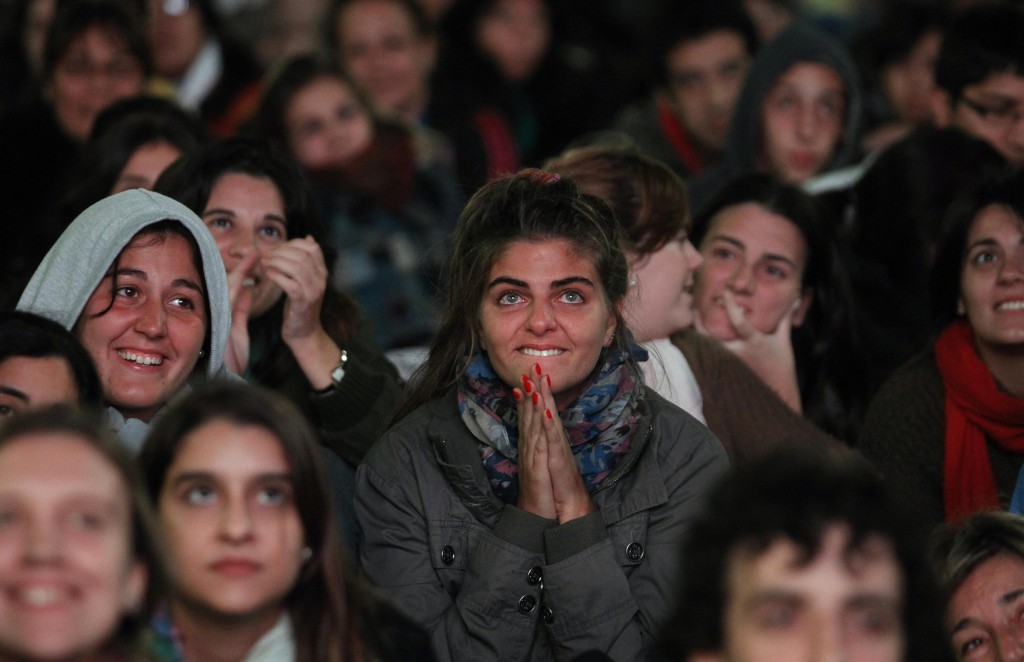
[976, 410]
[677, 137]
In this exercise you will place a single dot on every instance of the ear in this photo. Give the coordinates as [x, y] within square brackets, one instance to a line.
[135, 587]
[609, 331]
[942, 107]
[803, 305]
[961, 309]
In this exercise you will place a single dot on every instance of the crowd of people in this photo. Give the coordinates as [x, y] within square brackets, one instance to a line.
[512, 330]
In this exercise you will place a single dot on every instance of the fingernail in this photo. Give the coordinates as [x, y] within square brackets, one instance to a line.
[536, 366]
[547, 412]
[526, 385]
[517, 394]
[536, 398]
[548, 377]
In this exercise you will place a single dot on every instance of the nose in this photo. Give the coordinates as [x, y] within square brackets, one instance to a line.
[1010, 644]
[541, 318]
[43, 544]
[828, 645]
[693, 257]
[236, 523]
[742, 279]
[152, 318]
[806, 124]
[1013, 267]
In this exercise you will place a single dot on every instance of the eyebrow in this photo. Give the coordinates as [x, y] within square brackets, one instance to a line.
[739, 244]
[562, 282]
[231, 212]
[13, 392]
[188, 476]
[177, 282]
[1003, 600]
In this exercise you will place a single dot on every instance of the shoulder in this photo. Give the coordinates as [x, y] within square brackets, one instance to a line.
[677, 437]
[405, 446]
[910, 403]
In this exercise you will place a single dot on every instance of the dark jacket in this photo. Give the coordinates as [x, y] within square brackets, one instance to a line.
[490, 581]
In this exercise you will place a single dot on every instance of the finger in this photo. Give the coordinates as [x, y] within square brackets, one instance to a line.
[238, 276]
[736, 316]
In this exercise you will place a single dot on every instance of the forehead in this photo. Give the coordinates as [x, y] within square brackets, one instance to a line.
[57, 462]
[149, 251]
[39, 375]
[987, 585]
[706, 51]
[526, 255]
[356, 17]
[758, 228]
[993, 220]
[1003, 84]
[222, 446]
[812, 77]
[833, 574]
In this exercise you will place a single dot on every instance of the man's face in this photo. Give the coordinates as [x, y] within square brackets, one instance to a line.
[704, 80]
[991, 110]
[841, 605]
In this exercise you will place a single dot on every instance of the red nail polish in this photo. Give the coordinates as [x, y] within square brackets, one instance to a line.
[536, 366]
[536, 398]
[548, 377]
[526, 385]
[548, 413]
[517, 394]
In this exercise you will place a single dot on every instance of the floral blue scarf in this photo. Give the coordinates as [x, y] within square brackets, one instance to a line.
[600, 423]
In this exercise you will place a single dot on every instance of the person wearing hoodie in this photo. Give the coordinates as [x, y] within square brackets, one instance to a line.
[138, 279]
[798, 114]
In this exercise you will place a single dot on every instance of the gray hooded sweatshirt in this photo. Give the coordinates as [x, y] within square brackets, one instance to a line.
[80, 258]
[799, 42]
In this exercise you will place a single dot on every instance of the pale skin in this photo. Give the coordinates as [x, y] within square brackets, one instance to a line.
[550, 484]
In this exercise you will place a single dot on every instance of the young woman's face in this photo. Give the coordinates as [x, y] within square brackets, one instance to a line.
[145, 165]
[245, 214]
[227, 507]
[660, 298]
[326, 125]
[378, 42]
[992, 279]
[802, 121]
[760, 258]
[33, 382]
[515, 33]
[545, 304]
[148, 341]
[67, 571]
[96, 70]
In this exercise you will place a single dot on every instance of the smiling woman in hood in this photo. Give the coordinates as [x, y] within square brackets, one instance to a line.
[138, 279]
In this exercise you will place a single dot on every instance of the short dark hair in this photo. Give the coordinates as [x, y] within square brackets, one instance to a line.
[75, 18]
[691, 20]
[27, 334]
[983, 41]
[422, 25]
[944, 281]
[796, 494]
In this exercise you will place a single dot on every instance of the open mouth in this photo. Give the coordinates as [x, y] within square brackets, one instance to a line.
[541, 352]
[140, 359]
[40, 596]
[1011, 305]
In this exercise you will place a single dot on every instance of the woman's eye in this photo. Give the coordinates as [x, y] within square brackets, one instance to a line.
[777, 273]
[509, 298]
[127, 291]
[722, 253]
[6, 411]
[970, 646]
[87, 521]
[199, 495]
[271, 232]
[571, 296]
[219, 223]
[984, 257]
[185, 303]
[8, 516]
[272, 496]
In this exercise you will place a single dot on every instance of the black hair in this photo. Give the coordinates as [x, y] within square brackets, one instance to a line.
[29, 335]
[118, 132]
[683, 22]
[421, 24]
[944, 282]
[74, 18]
[958, 549]
[983, 41]
[797, 494]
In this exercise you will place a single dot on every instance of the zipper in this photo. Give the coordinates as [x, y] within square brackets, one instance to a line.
[629, 462]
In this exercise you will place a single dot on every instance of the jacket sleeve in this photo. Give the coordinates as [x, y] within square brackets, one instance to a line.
[352, 416]
[610, 587]
[417, 562]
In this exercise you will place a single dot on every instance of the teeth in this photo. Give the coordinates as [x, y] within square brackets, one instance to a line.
[540, 352]
[1012, 305]
[249, 282]
[41, 596]
[138, 358]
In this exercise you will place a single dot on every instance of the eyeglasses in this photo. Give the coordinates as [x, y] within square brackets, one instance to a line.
[998, 117]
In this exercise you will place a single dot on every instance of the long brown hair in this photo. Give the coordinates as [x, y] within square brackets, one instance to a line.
[528, 206]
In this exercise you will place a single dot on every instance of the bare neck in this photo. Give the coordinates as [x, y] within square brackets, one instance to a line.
[212, 638]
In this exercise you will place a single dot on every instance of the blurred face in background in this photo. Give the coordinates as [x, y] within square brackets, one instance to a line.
[326, 124]
[515, 34]
[378, 43]
[145, 165]
[32, 382]
[96, 70]
[705, 76]
[910, 82]
[176, 34]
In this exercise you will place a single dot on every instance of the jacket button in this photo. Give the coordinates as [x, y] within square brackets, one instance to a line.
[527, 604]
[535, 576]
[634, 551]
[447, 555]
[546, 615]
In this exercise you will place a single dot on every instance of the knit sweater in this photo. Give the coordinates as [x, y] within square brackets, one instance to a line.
[904, 435]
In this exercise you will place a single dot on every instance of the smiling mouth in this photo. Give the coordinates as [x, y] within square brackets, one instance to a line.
[139, 359]
[1011, 305]
[541, 352]
[40, 596]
